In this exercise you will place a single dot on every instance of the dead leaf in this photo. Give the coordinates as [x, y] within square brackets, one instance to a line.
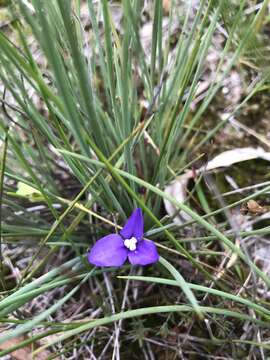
[230, 157]
[24, 353]
[253, 208]
[178, 190]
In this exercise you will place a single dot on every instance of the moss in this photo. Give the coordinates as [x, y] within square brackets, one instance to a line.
[246, 173]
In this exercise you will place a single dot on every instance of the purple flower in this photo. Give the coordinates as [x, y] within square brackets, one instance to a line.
[114, 249]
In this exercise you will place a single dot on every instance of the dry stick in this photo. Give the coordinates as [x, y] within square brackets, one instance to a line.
[116, 352]
[246, 188]
[89, 336]
[259, 137]
[101, 357]
[119, 324]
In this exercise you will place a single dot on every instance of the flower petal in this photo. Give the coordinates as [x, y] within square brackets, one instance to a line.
[145, 254]
[133, 226]
[108, 251]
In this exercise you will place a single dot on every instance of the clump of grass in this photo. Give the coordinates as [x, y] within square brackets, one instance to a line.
[95, 122]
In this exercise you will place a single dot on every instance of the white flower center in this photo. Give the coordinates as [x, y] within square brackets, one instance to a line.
[131, 243]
